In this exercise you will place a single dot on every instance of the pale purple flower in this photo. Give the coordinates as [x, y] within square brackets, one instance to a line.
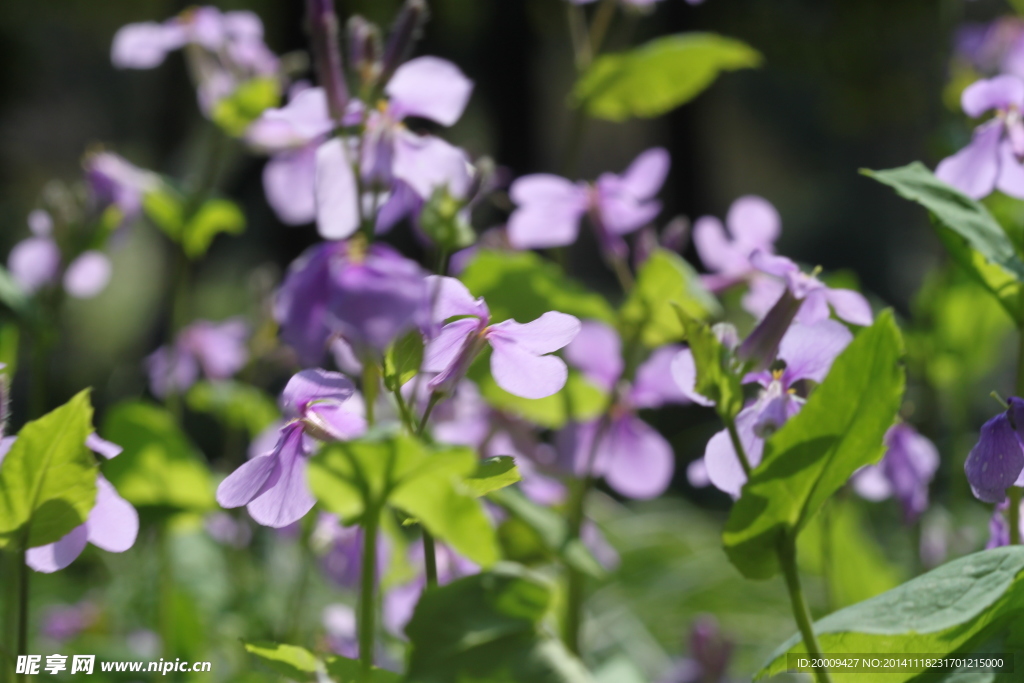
[341, 551]
[999, 527]
[816, 296]
[34, 263]
[807, 352]
[753, 225]
[906, 469]
[632, 456]
[992, 159]
[65, 622]
[997, 460]
[993, 48]
[710, 654]
[399, 602]
[114, 181]
[549, 208]
[87, 275]
[339, 623]
[273, 485]
[112, 524]
[227, 530]
[520, 363]
[215, 350]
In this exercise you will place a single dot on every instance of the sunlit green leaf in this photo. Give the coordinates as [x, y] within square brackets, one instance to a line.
[660, 75]
[664, 283]
[716, 378]
[295, 662]
[839, 429]
[48, 478]
[212, 218]
[493, 474]
[402, 360]
[166, 209]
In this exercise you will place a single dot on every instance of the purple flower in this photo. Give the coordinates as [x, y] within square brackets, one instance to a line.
[992, 159]
[87, 275]
[519, 361]
[272, 485]
[34, 263]
[113, 181]
[226, 530]
[909, 464]
[549, 208]
[229, 49]
[996, 47]
[369, 296]
[710, 654]
[112, 523]
[399, 602]
[817, 297]
[218, 349]
[996, 461]
[808, 352]
[65, 622]
[342, 551]
[342, 635]
[999, 527]
[631, 455]
[753, 225]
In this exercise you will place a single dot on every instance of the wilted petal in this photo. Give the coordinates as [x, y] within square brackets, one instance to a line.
[113, 523]
[289, 181]
[55, 556]
[336, 197]
[547, 334]
[431, 88]
[809, 350]
[34, 263]
[1001, 92]
[996, 461]
[87, 275]
[754, 222]
[640, 462]
[973, 170]
[597, 351]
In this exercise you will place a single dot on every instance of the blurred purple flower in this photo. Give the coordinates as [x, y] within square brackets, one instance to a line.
[112, 523]
[34, 263]
[992, 48]
[218, 349]
[113, 181]
[273, 485]
[87, 275]
[400, 601]
[227, 530]
[997, 460]
[992, 159]
[519, 361]
[816, 296]
[341, 549]
[710, 654]
[808, 352]
[65, 622]
[549, 207]
[631, 455]
[906, 469]
[339, 622]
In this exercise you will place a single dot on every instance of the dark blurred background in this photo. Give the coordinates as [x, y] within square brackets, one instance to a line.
[846, 84]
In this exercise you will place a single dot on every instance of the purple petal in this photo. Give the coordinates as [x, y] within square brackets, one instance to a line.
[647, 173]
[55, 556]
[850, 306]
[814, 308]
[312, 385]
[34, 263]
[144, 45]
[764, 292]
[547, 334]
[246, 482]
[221, 348]
[443, 350]
[87, 275]
[548, 213]
[451, 298]
[655, 384]
[304, 120]
[974, 168]
[597, 351]
[339, 421]
[285, 497]
[336, 197]
[1001, 92]
[996, 461]
[697, 474]
[102, 447]
[427, 163]
[401, 203]
[810, 349]
[301, 306]
[431, 88]
[684, 374]
[870, 483]
[399, 603]
[40, 223]
[779, 266]
[113, 523]
[621, 214]
[754, 222]
[1011, 173]
[716, 252]
[289, 181]
[171, 370]
[640, 462]
[520, 372]
[723, 465]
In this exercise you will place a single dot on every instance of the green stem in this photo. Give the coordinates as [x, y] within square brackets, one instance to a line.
[434, 399]
[599, 27]
[826, 553]
[430, 558]
[1013, 513]
[787, 559]
[165, 596]
[367, 600]
[371, 377]
[737, 445]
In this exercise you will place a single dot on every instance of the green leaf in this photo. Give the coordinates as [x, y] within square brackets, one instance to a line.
[493, 474]
[245, 104]
[550, 529]
[523, 286]
[9, 335]
[159, 467]
[429, 484]
[238, 405]
[949, 610]
[11, 294]
[292, 661]
[485, 627]
[658, 76]
[213, 217]
[166, 209]
[48, 478]
[579, 400]
[664, 282]
[402, 360]
[345, 670]
[988, 254]
[839, 429]
[716, 378]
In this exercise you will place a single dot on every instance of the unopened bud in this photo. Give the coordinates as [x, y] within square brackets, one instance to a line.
[404, 34]
[676, 234]
[762, 346]
[323, 28]
[364, 45]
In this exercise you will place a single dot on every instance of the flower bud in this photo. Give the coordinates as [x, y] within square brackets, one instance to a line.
[762, 346]
[323, 27]
[404, 34]
[364, 49]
